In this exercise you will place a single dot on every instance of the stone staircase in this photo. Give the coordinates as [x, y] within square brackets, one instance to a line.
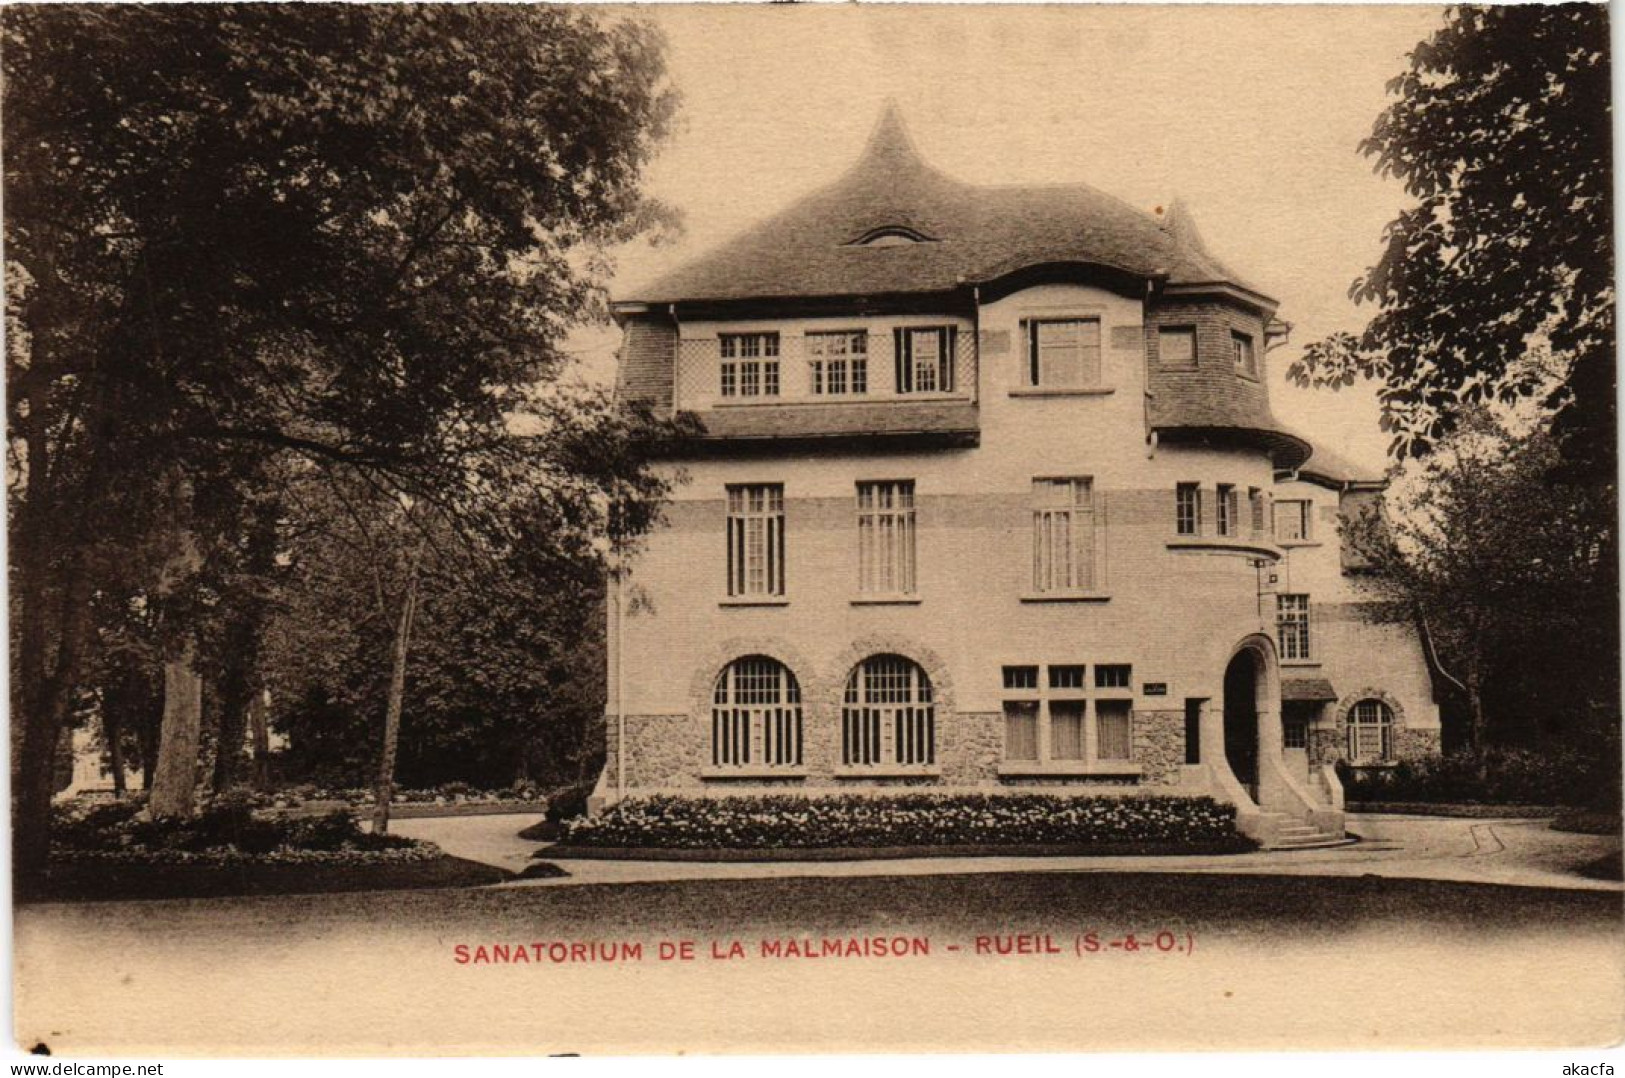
[1291, 833]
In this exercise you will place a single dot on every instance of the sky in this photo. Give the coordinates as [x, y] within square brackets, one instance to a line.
[1251, 115]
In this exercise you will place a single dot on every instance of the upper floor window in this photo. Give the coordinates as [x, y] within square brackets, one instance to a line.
[1371, 732]
[750, 364]
[1228, 508]
[756, 540]
[1063, 535]
[925, 359]
[886, 537]
[838, 363]
[1188, 509]
[1062, 353]
[1292, 520]
[1292, 626]
[1241, 345]
[756, 715]
[1176, 346]
[1256, 502]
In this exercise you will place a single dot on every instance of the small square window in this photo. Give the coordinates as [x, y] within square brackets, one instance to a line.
[1021, 677]
[1114, 676]
[1176, 346]
[1295, 733]
[1066, 677]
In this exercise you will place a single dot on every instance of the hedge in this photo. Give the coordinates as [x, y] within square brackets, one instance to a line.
[921, 820]
[1493, 776]
[225, 831]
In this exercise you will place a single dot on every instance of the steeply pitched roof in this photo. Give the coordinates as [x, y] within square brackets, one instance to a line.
[973, 234]
[1327, 467]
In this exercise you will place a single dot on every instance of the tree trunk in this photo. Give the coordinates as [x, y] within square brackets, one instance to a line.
[113, 732]
[384, 791]
[1475, 701]
[174, 784]
[236, 699]
[259, 727]
[48, 699]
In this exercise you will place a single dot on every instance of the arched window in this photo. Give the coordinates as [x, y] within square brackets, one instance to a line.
[888, 718]
[756, 715]
[1371, 732]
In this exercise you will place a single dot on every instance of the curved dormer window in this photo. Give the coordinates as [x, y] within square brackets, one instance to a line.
[890, 236]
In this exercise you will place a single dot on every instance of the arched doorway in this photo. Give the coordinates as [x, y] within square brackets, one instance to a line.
[1241, 719]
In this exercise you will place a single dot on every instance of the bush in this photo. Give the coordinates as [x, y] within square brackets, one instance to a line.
[911, 820]
[569, 802]
[226, 828]
[1493, 775]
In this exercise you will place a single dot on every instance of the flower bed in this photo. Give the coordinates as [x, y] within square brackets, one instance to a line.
[451, 793]
[226, 831]
[110, 852]
[983, 823]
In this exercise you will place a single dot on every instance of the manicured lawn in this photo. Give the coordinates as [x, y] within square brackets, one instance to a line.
[88, 882]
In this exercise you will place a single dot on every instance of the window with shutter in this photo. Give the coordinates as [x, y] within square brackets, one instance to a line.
[1062, 353]
[924, 358]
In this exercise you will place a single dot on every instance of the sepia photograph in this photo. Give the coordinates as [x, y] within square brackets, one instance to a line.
[811, 528]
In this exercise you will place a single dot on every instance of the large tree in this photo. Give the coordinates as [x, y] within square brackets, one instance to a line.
[1501, 566]
[235, 234]
[1500, 131]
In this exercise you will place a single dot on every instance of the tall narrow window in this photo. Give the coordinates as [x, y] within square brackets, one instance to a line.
[1292, 521]
[756, 715]
[925, 359]
[1370, 732]
[1063, 535]
[1241, 345]
[1113, 722]
[1292, 626]
[888, 717]
[1021, 729]
[1176, 346]
[1066, 740]
[1188, 509]
[1193, 730]
[886, 537]
[750, 364]
[756, 540]
[1255, 502]
[1063, 353]
[838, 363]
[1227, 509]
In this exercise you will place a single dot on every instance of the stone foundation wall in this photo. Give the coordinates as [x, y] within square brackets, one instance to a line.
[970, 747]
[1159, 745]
[1329, 744]
[673, 752]
[1415, 744]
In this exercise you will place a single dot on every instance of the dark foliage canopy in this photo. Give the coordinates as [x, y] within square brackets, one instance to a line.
[1497, 285]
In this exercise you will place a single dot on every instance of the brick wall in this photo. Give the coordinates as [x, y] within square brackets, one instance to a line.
[1211, 394]
[647, 361]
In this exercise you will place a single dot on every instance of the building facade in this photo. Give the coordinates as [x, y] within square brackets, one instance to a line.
[987, 495]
